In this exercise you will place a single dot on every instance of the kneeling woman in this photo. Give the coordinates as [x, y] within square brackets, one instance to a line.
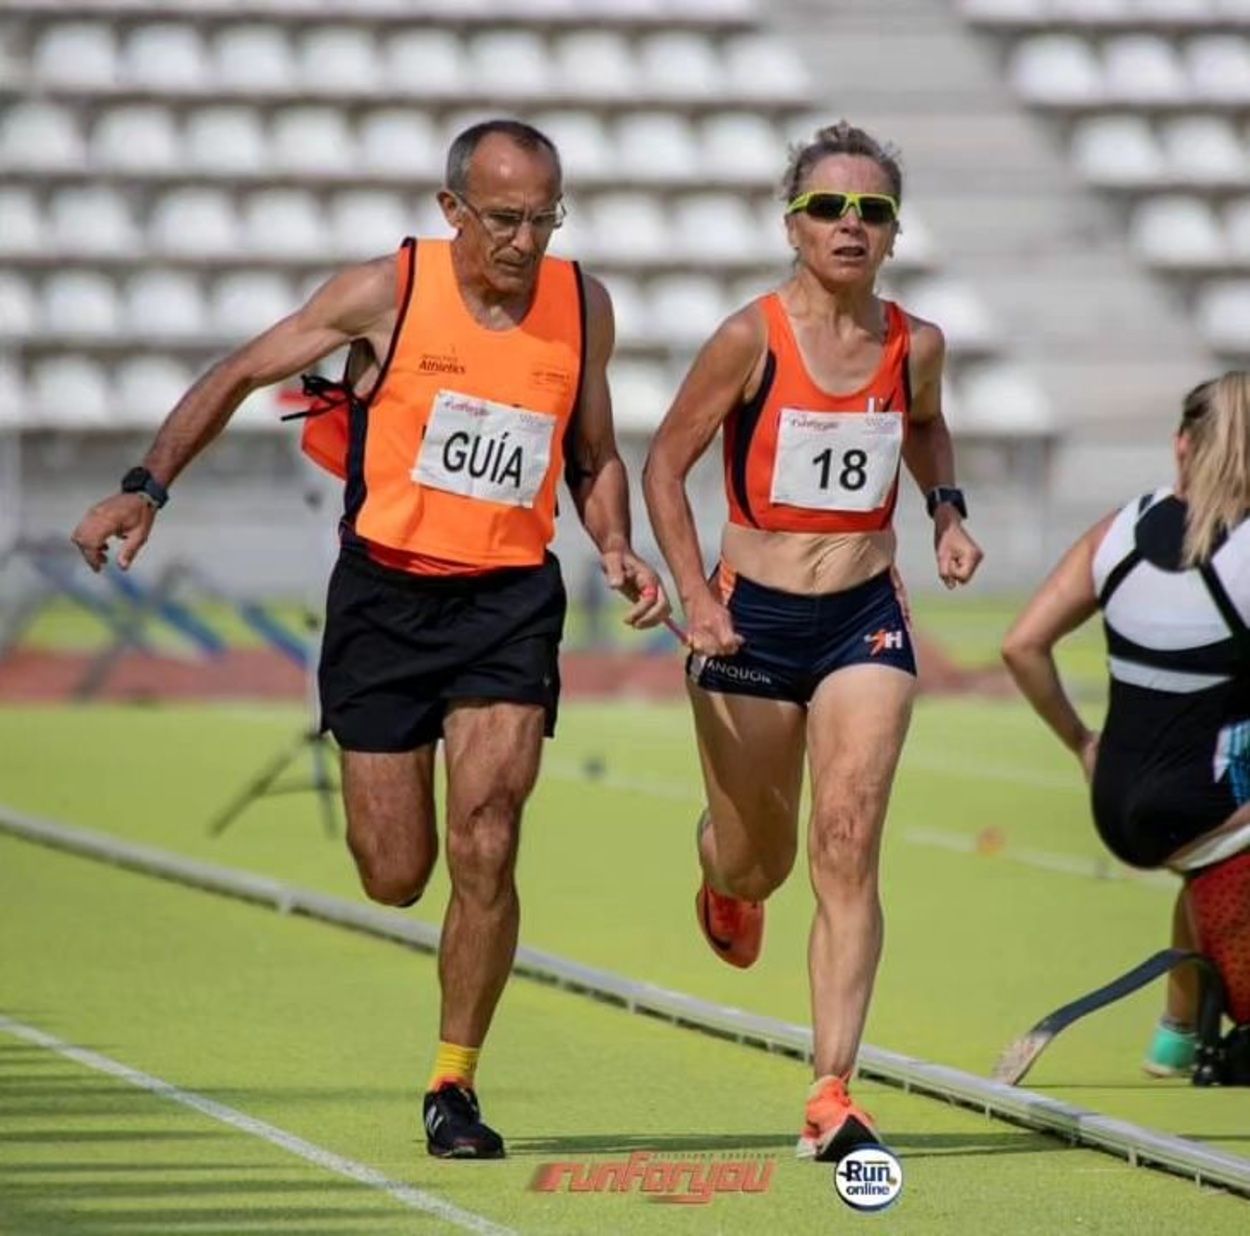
[1170, 773]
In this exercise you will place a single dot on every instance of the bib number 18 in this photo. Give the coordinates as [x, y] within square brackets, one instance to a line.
[854, 474]
[836, 461]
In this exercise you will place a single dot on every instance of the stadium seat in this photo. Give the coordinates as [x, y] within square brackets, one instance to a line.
[399, 142]
[40, 137]
[195, 222]
[226, 140]
[1218, 67]
[629, 307]
[1004, 10]
[75, 54]
[574, 239]
[167, 57]
[1175, 10]
[1143, 68]
[339, 60]
[21, 221]
[685, 309]
[1056, 68]
[1237, 230]
[595, 64]
[165, 303]
[1177, 230]
[19, 314]
[771, 241]
[1117, 150]
[147, 387]
[586, 151]
[284, 222]
[254, 59]
[656, 146]
[79, 302]
[249, 302]
[741, 144]
[70, 392]
[1204, 150]
[1223, 310]
[312, 140]
[427, 218]
[510, 63]
[13, 407]
[963, 317]
[1002, 399]
[425, 62]
[680, 65]
[136, 139]
[93, 220]
[365, 223]
[715, 227]
[641, 394]
[1090, 12]
[765, 66]
[914, 246]
[628, 226]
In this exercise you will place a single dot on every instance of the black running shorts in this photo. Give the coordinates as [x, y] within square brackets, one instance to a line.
[399, 648]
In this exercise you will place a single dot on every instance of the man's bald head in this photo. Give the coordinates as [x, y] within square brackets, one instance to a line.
[517, 132]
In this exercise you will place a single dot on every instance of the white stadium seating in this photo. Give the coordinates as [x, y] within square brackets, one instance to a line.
[165, 303]
[140, 138]
[80, 302]
[226, 140]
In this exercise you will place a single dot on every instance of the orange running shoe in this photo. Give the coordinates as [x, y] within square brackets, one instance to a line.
[833, 1124]
[734, 928]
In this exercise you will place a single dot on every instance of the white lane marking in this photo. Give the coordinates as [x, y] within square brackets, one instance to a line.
[406, 1195]
[1045, 860]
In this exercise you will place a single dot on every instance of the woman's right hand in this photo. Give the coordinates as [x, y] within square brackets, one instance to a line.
[709, 628]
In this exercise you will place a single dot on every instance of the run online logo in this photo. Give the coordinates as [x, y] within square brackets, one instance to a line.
[688, 1182]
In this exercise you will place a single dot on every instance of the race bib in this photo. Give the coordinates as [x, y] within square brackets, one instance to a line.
[484, 450]
[836, 461]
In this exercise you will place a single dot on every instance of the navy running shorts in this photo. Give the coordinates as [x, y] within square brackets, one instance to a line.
[791, 641]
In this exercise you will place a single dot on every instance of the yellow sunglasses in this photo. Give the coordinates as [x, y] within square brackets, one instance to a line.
[827, 205]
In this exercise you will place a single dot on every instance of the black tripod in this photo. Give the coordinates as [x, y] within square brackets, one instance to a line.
[263, 783]
[310, 740]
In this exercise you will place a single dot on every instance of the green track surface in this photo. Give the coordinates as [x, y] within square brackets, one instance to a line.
[329, 1035]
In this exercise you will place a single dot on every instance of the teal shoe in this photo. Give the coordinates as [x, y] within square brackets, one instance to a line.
[1171, 1052]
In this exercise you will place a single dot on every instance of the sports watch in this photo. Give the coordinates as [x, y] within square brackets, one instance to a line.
[945, 493]
[140, 481]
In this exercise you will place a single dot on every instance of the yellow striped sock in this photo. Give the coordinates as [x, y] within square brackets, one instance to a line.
[454, 1063]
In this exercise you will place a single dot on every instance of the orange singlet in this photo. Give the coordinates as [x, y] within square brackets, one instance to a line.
[798, 459]
[453, 458]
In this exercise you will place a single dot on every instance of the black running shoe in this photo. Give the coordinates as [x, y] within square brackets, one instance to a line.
[454, 1128]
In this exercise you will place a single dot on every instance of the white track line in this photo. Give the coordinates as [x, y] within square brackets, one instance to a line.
[1044, 860]
[406, 1195]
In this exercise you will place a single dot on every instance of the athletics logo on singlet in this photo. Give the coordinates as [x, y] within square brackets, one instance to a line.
[484, 450]
[836, 461]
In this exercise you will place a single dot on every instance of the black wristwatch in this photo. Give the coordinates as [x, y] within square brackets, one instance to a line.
[140, 481]
[945, 493]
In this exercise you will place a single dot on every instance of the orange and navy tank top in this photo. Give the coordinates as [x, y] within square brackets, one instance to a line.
[453, 458]
[798, 459]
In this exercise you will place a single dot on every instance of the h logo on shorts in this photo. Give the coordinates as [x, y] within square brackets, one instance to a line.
[884, 641]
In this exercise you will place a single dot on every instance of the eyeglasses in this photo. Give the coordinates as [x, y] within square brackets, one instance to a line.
[503, 224]
[826, 205]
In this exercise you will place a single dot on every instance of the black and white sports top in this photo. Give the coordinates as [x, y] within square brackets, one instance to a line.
[1170, 628]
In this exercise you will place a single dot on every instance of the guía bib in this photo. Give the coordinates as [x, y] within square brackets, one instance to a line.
[488, 451]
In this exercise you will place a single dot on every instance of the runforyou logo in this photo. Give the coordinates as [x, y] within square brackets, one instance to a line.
[868, 1178]
[684, 1181]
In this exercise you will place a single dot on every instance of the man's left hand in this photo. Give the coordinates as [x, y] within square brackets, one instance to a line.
[958, 555]
[627, 574]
